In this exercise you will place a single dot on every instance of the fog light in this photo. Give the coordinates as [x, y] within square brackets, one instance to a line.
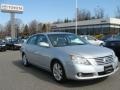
[79, 74]
[85, 74]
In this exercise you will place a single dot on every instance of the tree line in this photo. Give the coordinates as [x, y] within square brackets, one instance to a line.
[84, 14]
[24, 30]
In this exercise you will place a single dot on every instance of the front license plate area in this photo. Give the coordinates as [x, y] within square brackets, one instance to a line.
[108, 69]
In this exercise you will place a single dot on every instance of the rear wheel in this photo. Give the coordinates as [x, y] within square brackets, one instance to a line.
[24, 60]
[58, 72]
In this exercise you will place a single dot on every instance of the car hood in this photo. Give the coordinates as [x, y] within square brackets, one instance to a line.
[87, 51]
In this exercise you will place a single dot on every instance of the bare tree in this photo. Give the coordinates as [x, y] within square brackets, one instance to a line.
[83, 15]
[1, 27]
[99, 13]
[25, 31]
[40, 27]
[8, 28]
[18, 24]
[46, 27]
[117, 14]
[1, 31]
[33, 26]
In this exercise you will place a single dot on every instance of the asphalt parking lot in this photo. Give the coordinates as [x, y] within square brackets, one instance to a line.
[14, 76]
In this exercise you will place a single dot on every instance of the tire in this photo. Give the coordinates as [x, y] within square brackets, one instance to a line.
[11, 48]
[25, 60]
[101, 44]
[58, 72]
[5, 49]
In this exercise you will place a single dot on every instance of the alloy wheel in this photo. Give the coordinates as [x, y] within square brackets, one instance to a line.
[24, 60]
[58, 72]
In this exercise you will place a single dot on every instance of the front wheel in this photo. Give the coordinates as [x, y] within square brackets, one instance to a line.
[25, 61]
[58, 72]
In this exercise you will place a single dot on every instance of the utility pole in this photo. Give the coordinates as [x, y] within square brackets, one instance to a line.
[76, 17]
[13, 31]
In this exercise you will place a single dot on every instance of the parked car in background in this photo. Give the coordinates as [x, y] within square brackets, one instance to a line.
[23, 40]
[114, 44]
[8, 38]
[67, 56]
[14, 44]
[92, 40]
[108, 37]
[2, 45]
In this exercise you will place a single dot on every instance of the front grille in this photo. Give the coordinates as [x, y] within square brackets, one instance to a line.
[104, 60]
[103, 73]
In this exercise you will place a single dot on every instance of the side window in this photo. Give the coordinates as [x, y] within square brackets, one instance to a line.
[32, 40]
[41, 38]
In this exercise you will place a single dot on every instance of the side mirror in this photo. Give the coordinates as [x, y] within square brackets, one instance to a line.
[44, 44]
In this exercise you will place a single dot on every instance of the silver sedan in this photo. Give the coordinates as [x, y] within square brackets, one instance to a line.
[67, 56]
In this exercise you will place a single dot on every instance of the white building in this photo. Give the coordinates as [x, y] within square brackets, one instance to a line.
[94, 26]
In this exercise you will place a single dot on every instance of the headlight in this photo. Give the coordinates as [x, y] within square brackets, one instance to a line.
[113, 54]
[115, 58]
[80, 60]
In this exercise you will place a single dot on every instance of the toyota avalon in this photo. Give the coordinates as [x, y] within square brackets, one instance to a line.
[67, 56]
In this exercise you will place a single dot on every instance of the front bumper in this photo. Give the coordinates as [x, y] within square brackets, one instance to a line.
[17, 47]
[86, 72]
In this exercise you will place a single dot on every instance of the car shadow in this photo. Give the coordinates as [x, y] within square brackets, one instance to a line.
[47, 77]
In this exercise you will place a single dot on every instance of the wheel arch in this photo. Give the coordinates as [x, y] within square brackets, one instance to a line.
[62, 64]
[55, 60]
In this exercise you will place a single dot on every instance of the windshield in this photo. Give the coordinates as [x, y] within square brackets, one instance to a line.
[59, 40]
